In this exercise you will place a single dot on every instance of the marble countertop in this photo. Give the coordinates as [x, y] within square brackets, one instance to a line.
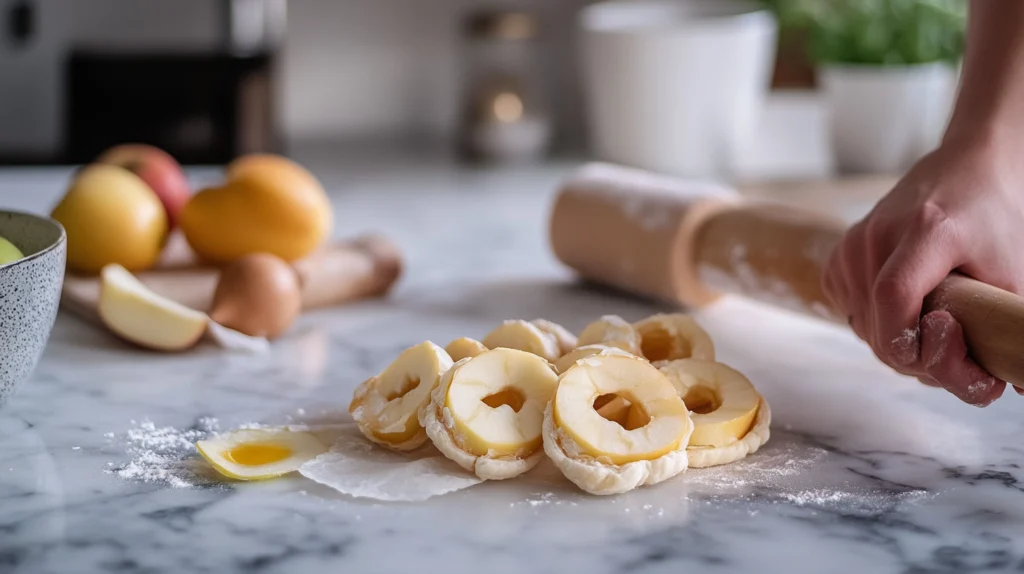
[865, 471]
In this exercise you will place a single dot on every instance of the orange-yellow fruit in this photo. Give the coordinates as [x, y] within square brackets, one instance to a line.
[268, 204]
[111, 216]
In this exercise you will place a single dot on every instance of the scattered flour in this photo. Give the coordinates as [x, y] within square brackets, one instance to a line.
[163, 455]
[816, 497]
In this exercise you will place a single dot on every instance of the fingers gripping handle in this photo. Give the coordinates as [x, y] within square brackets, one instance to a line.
[778, 255]
[992, 320]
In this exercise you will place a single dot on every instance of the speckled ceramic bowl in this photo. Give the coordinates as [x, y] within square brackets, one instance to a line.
[29, 294]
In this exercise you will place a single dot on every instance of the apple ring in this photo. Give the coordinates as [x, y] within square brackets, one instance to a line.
[386, 407]
[669, 337]
[488, 410]
[463, 348]
[730, 418]
[523, 336]
[612, 331]
[644, 445]
[566, 340]
[569, 359]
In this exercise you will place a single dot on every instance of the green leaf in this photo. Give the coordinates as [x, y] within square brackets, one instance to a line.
[879, 32]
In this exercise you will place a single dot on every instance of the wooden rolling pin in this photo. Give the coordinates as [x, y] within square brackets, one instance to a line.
[688, 243]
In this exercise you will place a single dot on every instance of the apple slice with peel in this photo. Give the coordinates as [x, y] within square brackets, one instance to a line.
[137, 314]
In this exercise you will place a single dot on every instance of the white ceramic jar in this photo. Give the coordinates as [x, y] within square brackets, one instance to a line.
[676, 86]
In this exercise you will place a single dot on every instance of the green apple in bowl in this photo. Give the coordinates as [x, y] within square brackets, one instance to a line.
[9, 252]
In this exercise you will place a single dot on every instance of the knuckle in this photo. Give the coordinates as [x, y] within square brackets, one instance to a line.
[892, 290]
[932, 220]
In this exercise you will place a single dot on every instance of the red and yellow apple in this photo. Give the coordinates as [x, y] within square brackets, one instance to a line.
[158, 169]
[111, 216]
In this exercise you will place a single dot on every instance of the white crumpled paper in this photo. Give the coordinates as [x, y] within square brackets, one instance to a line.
[359, 468]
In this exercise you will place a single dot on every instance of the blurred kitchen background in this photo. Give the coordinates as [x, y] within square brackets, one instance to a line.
[778, 89]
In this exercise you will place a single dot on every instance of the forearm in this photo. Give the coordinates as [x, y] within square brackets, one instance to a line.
[990, 105]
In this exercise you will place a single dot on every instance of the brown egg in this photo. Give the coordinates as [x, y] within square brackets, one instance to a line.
[259, 295]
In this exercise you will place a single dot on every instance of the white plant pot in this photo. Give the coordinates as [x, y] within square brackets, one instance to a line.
[675, 86]
[884, 118]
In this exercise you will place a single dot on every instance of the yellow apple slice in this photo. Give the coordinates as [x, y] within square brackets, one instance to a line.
[137, 314]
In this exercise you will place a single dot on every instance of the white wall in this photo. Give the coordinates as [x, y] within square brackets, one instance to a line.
[350, 68]
[358, 67]
[369, 67]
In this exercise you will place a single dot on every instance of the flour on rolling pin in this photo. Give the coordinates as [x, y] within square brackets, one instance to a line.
[770, 253]
[744, 278]
[621, 226]
[687, 242]
[642, 195]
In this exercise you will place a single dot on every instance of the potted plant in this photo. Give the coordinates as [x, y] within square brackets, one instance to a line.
[888, 69]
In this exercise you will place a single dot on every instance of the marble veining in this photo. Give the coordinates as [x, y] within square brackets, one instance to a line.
[865, 471]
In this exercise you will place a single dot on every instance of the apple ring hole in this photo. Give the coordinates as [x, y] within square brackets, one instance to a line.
[702, 400]
[658, 344]
[408, 384]
[618, 409]
[511, 396]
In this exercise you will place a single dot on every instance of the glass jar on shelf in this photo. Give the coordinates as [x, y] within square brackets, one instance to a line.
[504, 106]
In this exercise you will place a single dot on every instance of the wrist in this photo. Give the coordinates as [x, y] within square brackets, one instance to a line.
[989, 138]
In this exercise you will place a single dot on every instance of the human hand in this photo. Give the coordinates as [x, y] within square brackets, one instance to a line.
[961, 208]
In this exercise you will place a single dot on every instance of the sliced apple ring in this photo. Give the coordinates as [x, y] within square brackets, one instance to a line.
[463, 348]
[643, 444]
[612, 331]
[386, 407]
[672, 336]
[487, 412]
[523, 336]
[730, 418]
[566, 340]
[569, 359]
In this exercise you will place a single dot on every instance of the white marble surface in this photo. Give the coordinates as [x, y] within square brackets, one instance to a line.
[865, 471]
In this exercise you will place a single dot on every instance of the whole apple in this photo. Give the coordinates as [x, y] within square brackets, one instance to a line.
[111, 216]
[161, 172]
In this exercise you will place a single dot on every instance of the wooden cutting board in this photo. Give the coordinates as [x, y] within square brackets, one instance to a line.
[339, 272]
